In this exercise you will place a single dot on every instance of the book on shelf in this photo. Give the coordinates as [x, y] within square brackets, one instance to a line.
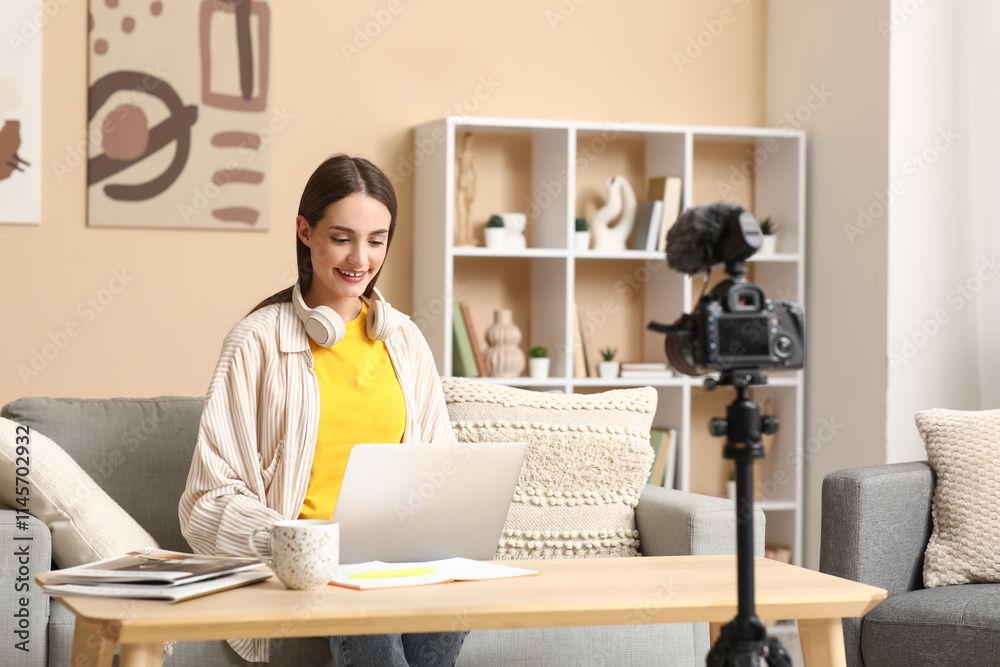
[664, 444]
[670, 190]
[647, 225]
[644, 366]
[463, 359]
[477, 349]
[376, 574]
[579, 362]
[779, 552]
[578, 324]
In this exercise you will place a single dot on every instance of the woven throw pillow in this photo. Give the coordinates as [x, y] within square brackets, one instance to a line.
[86, 524]
[587, 461]
[963, 448]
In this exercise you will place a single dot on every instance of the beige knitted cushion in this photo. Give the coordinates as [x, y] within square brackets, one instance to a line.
[587, 461]
[964, 450]
[86, 523]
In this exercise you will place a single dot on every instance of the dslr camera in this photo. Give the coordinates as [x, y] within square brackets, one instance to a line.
[735, 326]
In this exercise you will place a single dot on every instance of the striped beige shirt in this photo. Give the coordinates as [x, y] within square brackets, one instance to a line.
[258, 431]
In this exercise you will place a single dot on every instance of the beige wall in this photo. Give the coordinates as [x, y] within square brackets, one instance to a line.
[160, 329]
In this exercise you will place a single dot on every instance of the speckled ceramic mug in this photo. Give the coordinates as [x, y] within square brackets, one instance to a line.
[304, 552]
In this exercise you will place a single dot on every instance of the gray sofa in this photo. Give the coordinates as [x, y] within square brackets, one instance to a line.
[876, 525]
[139, 451]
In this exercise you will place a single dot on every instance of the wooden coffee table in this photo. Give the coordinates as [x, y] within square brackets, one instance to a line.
[580, 592]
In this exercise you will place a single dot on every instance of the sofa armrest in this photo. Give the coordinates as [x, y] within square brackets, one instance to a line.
[677, 523]
[25, 550]
[876, 523]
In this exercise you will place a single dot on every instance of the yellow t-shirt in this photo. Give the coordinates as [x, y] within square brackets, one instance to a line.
[360, 401]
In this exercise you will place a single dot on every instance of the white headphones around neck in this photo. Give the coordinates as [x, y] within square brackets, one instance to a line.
[326, 327]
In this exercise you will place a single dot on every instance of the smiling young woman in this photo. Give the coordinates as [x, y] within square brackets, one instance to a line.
[307, 374]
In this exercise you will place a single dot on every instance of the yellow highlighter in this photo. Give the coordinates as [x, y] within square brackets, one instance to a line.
[385, 574]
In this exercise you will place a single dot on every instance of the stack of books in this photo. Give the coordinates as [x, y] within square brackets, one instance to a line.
[645, 370]
[658, 213]
[154, 574]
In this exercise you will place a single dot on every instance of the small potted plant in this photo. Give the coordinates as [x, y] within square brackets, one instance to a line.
[496, 234]
[538, 362]
[581, 237]
[608, 368]
[770, 232]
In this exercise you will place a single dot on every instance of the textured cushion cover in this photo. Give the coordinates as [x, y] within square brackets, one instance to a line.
[963, 448]
[587, 462]
[86, 524]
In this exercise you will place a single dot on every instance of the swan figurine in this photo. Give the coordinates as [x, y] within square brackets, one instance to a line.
[621, 202]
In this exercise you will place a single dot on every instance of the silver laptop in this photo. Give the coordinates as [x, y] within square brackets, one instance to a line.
[419, 502]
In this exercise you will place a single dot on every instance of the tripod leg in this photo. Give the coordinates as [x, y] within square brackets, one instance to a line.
[823, 642]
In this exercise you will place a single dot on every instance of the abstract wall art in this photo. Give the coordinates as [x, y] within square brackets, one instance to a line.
[21, 111]
[180, 125]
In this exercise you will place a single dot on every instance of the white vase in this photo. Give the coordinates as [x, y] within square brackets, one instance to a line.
[496, 238]
[608, 369]
[504, 357]
[731, 490]
[769, 246]
[581, 241]
[538, 367]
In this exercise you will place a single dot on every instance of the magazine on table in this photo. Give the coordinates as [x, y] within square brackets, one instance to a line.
[170, 593]
[152, 567]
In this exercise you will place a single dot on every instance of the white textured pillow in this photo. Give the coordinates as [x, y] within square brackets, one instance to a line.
[963, 448]
[86, 524]
[588, 459]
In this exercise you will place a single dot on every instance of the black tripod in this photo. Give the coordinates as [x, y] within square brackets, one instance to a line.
[743, 641]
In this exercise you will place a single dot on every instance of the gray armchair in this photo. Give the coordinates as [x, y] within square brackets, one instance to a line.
[876, 525]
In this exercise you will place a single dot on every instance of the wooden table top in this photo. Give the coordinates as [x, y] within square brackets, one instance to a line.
[567, 592]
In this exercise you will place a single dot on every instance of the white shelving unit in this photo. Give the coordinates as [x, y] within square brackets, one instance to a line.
[762, 169]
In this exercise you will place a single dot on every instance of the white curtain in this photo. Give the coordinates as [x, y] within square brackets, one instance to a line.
[982, 101]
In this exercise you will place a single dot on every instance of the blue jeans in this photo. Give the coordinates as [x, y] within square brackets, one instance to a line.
[425, 649]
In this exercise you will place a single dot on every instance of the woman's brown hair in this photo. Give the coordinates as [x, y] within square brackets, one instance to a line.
[336, 178]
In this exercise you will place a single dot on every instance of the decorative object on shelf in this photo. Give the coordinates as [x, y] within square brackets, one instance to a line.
[538, 362]
[496, 235]
[608, 368]
[504, 357]
[770, 232]
[465, 192]
[581, 237]
[621, 204]
[515, 224]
